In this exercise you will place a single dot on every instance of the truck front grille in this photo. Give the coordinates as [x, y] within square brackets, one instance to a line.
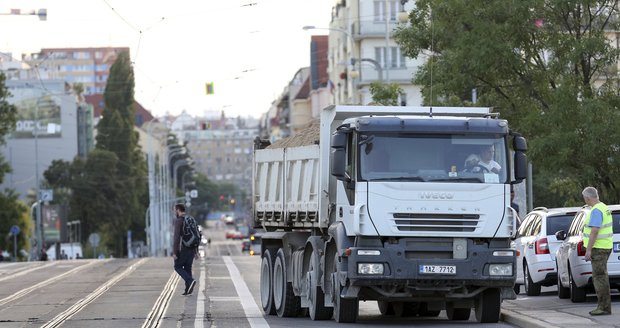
[436, 222]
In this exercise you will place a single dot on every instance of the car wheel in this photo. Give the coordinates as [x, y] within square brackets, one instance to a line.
[577, 294]
[563, 292]
[531, 288]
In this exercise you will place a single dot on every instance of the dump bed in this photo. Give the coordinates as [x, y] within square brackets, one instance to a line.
[286, 182]
[292, 187]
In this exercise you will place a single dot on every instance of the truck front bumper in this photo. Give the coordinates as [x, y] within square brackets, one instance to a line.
[400, 265]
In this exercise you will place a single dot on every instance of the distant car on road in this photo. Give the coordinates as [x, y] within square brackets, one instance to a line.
[536, 245]
[246, 246]
[574, 273]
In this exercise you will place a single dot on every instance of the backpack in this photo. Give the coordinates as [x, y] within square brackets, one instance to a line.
[191, 236]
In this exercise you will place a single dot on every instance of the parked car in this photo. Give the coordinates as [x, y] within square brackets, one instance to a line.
[574, 273]
[535, 247]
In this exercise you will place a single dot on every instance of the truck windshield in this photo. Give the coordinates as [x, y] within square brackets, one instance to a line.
[433, 158]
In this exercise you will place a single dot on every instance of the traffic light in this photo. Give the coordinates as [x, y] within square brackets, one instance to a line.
[221, 197]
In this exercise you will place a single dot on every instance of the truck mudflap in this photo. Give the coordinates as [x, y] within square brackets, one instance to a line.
[402, 267]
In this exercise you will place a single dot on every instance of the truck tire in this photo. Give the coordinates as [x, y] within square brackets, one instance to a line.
[285, 301]
[563, 292]
[345, 309]
[457, 313]
[531, 288]
[488, 306]
[577, 294]
[316, 297]
[266, 283]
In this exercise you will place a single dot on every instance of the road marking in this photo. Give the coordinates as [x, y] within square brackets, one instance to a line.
[153, 319]
[79, 305]
[252, 312]
[21, 273]
[224, 299]
[26, 291]
[200, 303]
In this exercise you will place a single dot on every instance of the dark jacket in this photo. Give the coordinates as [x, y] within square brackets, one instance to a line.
[176, 240]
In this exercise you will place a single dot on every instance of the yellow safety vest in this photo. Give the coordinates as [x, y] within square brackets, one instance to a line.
[605, 233]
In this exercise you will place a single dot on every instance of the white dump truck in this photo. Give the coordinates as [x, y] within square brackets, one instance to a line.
[408, 206]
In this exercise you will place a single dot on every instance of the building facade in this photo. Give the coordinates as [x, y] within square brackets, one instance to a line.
[88, 66]
[47, 129]
[362, 51]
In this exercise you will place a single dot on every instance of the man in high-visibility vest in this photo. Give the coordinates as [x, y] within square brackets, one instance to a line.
[598, 238]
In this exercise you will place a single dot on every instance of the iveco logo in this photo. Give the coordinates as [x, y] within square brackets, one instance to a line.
[436, 195]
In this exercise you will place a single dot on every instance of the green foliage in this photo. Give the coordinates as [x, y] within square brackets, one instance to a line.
[8, 116]
[108, 191]
[546, 66]
[385, 94]
[13, 212]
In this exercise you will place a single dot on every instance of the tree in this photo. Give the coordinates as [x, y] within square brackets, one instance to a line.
[386, 94]
[116, 135]
[546, 66]
[12, 211]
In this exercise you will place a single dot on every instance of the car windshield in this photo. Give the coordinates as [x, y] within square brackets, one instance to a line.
[470, 158]
[558, 222]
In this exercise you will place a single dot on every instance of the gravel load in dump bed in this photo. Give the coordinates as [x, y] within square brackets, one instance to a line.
[305, 137]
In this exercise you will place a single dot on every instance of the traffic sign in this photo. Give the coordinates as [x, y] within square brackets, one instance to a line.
[46, 195]
[15, 230]
[94, 239]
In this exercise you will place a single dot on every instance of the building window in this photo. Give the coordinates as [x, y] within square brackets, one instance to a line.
[395, 57]
[394, 7]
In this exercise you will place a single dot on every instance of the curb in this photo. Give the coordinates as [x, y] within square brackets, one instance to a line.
[521, 320]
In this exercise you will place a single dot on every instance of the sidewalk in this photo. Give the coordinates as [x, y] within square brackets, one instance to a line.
[575, 315]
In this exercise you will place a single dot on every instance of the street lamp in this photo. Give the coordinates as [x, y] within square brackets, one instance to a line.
[42, 13]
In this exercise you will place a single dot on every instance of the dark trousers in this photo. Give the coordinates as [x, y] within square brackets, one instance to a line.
[183, 265]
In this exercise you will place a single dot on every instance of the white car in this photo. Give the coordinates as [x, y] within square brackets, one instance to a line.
[574, 273]
[535, 247]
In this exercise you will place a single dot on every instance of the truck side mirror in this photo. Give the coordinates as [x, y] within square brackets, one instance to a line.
[338, 154]
[520, 161]
[519, 143]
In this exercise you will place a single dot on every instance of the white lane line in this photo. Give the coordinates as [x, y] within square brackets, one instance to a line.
[153, 319]
[252, 312]
[200, 303]
[21, 273]
[26, 291]
[81, 304]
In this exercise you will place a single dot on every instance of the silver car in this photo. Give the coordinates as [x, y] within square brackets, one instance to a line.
[574, 273]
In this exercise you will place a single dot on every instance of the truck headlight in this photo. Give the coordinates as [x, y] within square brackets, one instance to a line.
[370, 268]
[504, 269]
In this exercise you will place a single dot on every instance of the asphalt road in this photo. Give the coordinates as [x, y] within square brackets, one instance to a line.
[147, 293]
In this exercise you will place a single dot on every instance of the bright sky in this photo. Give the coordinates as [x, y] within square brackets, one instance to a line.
[250, 49]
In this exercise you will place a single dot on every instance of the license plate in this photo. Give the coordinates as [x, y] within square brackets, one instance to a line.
[616, 247]
[438, 269]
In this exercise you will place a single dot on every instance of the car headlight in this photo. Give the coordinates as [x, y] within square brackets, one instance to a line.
[370, 268]
[504, 269]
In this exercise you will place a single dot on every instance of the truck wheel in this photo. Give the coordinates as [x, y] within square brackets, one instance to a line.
[488, 306]
[285, 301]
[577, 294]
[563, 292]
[345, 309]
[385, 307]
[266, 283]
[423, 311]
[316, 297]
[457, 313]
[531, 288]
